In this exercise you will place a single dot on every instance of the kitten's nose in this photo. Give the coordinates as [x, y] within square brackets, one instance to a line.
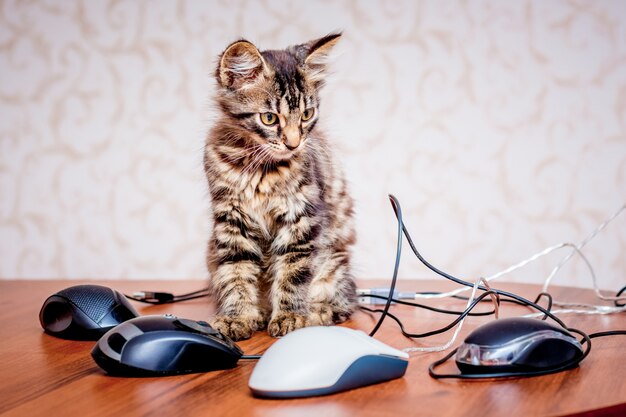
[291, 137]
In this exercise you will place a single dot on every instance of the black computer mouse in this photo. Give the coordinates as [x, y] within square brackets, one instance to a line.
[517, 345]
[84, 312]
[164, 345]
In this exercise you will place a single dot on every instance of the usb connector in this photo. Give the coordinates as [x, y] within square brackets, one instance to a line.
[153, 297]
[371, 295]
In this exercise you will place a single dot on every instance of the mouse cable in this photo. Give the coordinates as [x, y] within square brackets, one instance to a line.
[402, 229]
[620, 292]
[396, 207]
[584, 308]
[251, 357]
[576, 248]
[591, 310]
[608, 333]
[433, 332]
[545, 252]
[397, 210]
[463, 314]
[153, 297]
[455, 312]
[425, 307]
[395, 268]
[374, 295]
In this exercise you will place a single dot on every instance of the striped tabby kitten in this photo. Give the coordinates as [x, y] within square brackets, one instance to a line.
[279, 254]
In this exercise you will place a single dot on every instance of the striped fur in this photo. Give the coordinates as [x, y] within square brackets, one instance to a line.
[279, 252]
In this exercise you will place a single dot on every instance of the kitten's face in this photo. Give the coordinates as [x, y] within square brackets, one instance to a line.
[273, 95]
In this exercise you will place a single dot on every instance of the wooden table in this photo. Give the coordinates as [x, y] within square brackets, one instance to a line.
[44, 376]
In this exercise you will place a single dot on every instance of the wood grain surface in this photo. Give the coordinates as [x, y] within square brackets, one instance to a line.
[41, 375]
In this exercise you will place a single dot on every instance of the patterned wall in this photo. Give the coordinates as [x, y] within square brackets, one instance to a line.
[501, 126]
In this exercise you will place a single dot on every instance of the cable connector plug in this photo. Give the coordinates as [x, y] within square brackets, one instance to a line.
[380, 295]
[153, 297]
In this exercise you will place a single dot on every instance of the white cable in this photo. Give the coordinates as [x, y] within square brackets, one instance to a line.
[506, 271]
[582, 308]
[577, 250]
[456, 332]
[596, 310]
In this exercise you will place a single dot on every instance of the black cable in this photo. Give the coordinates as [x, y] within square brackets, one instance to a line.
[395, 269]
[463, 314]
[156, 298]
[427, 307]
[438, 331]
[620, 292]
[402, 229]
[461, 297]
[396, 208]
[586, 339]
[504, 300]
[549, 298]
[608, 333]
[251, 357]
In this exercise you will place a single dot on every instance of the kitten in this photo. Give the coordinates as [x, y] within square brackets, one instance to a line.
[279, 253]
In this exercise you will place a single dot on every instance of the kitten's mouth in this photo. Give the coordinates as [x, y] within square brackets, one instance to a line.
[281, 154]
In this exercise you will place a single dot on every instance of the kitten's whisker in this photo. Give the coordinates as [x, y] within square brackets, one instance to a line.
[318, 148]
[255, 159]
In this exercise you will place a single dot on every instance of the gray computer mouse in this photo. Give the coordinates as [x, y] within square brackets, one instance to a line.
[323, 360]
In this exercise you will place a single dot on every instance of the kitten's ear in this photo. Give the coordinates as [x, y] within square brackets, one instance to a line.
[241, 64]
[316, 58]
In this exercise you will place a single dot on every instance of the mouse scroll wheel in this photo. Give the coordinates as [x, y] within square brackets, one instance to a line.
[201, 327]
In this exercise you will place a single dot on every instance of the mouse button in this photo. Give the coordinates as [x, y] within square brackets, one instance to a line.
[196, 327]
[273, 374]
[154, 323]
[205, 329]
[309, 358]
[127, 329]
[502, 331]
[202, 357]
[168, 351]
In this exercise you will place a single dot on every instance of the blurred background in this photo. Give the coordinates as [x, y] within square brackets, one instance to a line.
[500, 126]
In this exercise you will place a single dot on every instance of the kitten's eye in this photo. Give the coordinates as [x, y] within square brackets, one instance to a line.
[308, 113]
[269, 118]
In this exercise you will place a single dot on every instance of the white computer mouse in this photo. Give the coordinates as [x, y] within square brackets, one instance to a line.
[323, 360]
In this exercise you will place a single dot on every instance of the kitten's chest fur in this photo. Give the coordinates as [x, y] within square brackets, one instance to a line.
[279, 195]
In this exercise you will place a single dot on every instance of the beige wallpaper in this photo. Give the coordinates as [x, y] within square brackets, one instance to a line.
[500, 125]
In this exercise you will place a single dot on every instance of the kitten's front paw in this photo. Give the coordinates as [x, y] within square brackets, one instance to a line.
[235, 327]
[320, 315]
[284, 323]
